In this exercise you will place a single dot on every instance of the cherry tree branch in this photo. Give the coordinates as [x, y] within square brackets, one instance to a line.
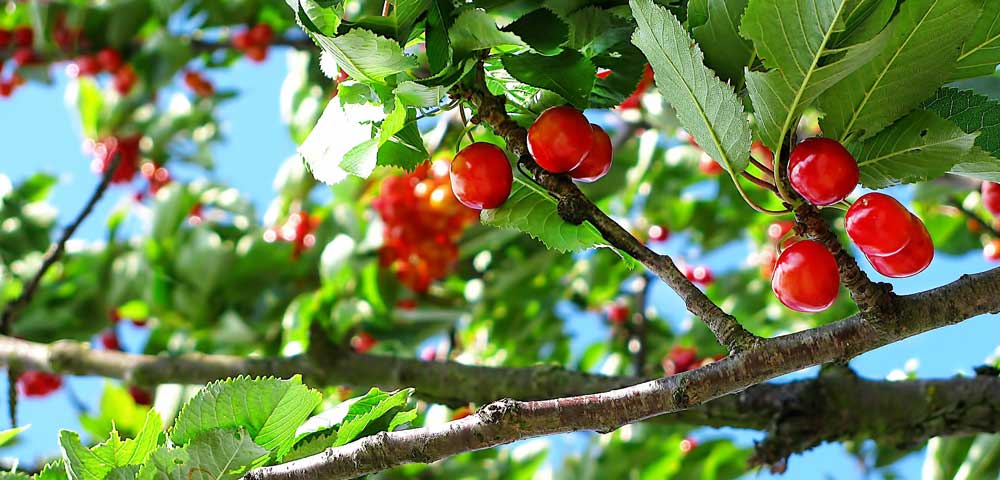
[506, 421]
[575, 208]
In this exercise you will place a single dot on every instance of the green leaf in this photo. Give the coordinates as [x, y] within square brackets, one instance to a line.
[707, 108]
[919, 147]
[919, 55]
[981, 50]
[341, 142]
[864, 20]
[715, 26]
[796, 44]
[97, 462]
[972, 113]
[366, 410]
[90, 103]
[54, 470]
[81, 463]
[279, 407]
[406, 13]
[311, 445]
[128, 472]
[319, 16]
[436, 33]
[366, 56]
[406, 150]
[627, 67]
[7, 435]
[416, 95]
[534, 212]
[475, 30]
[568, 74]
[541, 29]
[216, 454]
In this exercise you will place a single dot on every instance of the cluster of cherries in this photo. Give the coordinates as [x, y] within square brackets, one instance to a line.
[561, 140]
[21, 39]
[682, 359]
[198, 84]
[423, 221]
[991, 201]
[123, 76]
[896, 242]
[297, 229]
[126, 150]
[254, 41]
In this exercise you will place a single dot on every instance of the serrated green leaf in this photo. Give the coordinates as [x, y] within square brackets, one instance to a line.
[406, 13]
[534, 212]
[279, 407]
[341, 142]
[919, 55]
[81, 463]
[707, 108]
[367, 410]
[864, 20]
[128, 472]
[972, 113]
[627, 67]
[981, 50]
[406, 150]
[919, 147]
[99, 461]
[475, 30]
[436, 32]
[541, 29]
[416, 95]
[318, 16]
[366, 56]
[402, 418]
[715, 25]
[54, 470]
[799, 50]
[568, 74]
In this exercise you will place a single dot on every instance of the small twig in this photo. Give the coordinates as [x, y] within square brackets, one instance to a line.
[385, 8]
[989, 228]
[763, 167]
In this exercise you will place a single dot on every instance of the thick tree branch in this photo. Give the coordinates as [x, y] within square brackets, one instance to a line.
[507, 421]
[575, 207]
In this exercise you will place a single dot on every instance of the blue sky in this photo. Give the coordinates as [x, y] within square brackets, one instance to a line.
[38, 132]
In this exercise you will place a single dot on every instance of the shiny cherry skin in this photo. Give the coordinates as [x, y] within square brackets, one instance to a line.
[806, 278]
[658, 233]
[597, 163]
[708, 166]
[822, 171]
[912, 259]
[560, 139]
[109, 340]
[761, 153]
[991, 198]
[481, 176]
[109, 59]
[878, 224]
[991, 251]
[701, 275]
[363, 342]
[618, 313]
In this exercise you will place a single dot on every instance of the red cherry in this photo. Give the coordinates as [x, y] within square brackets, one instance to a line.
[912, 259]
[684, 358]
[256, 53]
[140, 396]
[688, 444]
[241, 40]
[761, 153]
[363, 342]
[617, 313]
[24, 56]
[560, 139]
[124, 79]
[701, 274]
[992, 251]
[635, 99]
[777, 230]
[767, 260]
[37, 384]
[806, 277]
[878, 224]
[602, 74]
[6, 89]
[991, 198]
[708, 166]
[109, 340]
[481, 176]
[658, 233]
[109, 59]
[88, 65]
[261, 35]
[597, 163]
[5, 37]
[23, 36]
[822, 171]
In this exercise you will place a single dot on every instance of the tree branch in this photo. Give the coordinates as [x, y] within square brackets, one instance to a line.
[575, 207]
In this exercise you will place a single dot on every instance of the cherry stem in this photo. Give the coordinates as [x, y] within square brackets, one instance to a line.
[763, 167]
[465, 123]
[759, 182]
[385, 8]
[756, 206]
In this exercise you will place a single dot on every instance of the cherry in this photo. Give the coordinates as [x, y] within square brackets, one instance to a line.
[992, 251]
[363, 342]
[198, 84]
[708, 166]
[481, 176]
[597, 163]
[461, 413]
[560, 139]
[6, 89]
[5, 37]
[261, 34]
[658, 233]
[256, 53]
[767, 260]
[822, 171]
[806, 278]
[428, 354]
[991, 198]
[106, 151]
[688, 444]
[878, 224]
[617, 313]
[88, 65]
[602, 74]
[406, 304]
[683, 357]
[912, 259]
[109, 59]
[701, 274]
[140, 396]
[760, 152]
[109, 340]
[777, 230]
[24, 56]
[23, 36]
[37, 384]
[635, 99]
[124, 80]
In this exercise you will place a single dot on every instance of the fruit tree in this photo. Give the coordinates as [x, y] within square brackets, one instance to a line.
[506, 220]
